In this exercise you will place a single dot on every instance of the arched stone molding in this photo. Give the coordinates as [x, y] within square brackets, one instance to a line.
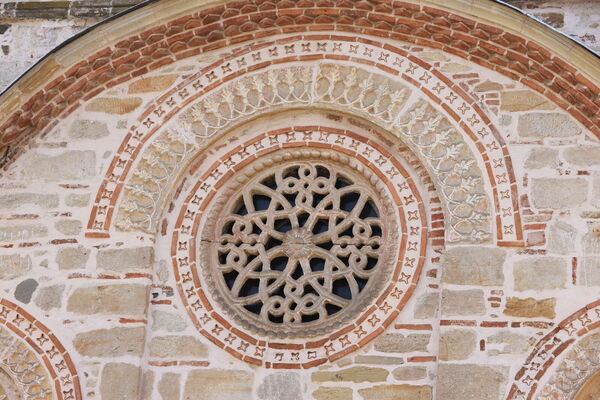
[579, 335]
[475, 154]
[503, 48]
[33, 359]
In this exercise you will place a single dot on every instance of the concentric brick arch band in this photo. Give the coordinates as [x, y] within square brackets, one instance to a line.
[418, 90]
[34, 365]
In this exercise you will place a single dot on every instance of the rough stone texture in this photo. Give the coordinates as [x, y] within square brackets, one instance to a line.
[218, 385]
[399, 343]
[332, 393]
[427, 306]
[166, 321]
[109, 299]
[558, 193]
[281, 386]
[168, 387]
[111, 105]
[523, 100]
[530, 307]
[474, 266]
[353, 374]
[470, 382]
[561, 237]
[147, 385]
[14, 201]
[380, 360]
[541, 125]
[409, 373]
[596, 192]
[49, 297]
[176, 347]
[72, 257]
[589, 274]
[125, 259]
[540, 273]
[126, 375]
[69, 226]
[14, 265]
[392, 392]
[12, 233]
[463, 302]
[113, 342]
[457, 344]
[542, 157]
[85, 129]
[77, 200]
[511, 343]
[70, 165]
[583, 156]
[24, 290]
[152, 84]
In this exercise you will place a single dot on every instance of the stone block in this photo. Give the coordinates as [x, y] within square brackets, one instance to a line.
[596, 192]
[120, 381]
[399, 343]
[457, 344]
[481, 266]
[112, 342]
[541, 273]
[409, 373]
[129, 299]
[463, 302]
[13, 201]
[561, 237]
[175, 347]
[353, 374]
[152, 84]
[591, 239]
[589, 272]
[77, 199]
[125, 259]
[218, 385]
[512, 343]
[542, 125]
[70, 165]
[14, 265]
[542, 157]
[281, 386]
[470, 382]
[24, 290]
[332, 393]
[583, 156]
[530, 307]
[72, 257]
[427, 306]
[69, 227]
[523, 100]
[558, 193]
[168, 386]
[85, 129]
[381, 360]
[49, 297]
[13, 233]
[167, 321]
[114, 105]
[394, 392]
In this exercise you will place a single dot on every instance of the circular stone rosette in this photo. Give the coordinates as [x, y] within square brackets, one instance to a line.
[297, 248]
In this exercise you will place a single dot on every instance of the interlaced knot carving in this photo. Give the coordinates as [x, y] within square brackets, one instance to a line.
[299, 243]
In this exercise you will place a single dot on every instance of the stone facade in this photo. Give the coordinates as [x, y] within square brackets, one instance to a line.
[302, 200]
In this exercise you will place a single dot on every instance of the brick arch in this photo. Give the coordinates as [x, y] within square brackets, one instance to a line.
[518, 57]
[550, 350]
[397, 65]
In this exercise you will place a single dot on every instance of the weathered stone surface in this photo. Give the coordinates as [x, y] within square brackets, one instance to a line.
[77, 200]
[69, 226]
[589, 273]
[168, 386]
[24, 290]
[125, 259]
[381, 360]
[542, 157]
[120, 381]
[523, 100]
[399, 343]
[167, 321]
[218, 385]
[463, 302]
[393, 392]
[457, 344]
[14, 265]
[470, 382]
[596, 192]
[353, 374]
[583, 156]
[85, 129]
[281, 386]
[70, 165]
[177, 347]
[557, 193]
[13, 201]
[474, 266]
[409, 373]
[488, 86]
[113, 105]
[561, 237]
[530, 307]
[540, 273]
[512, 343]
[72, 257]
[113, 342]
[49, 297]
[109, 299]
[427, 306]
[591, 239]
[147, 385]
[11, 233]
[152, 84]
[541, 125]
[332, 393]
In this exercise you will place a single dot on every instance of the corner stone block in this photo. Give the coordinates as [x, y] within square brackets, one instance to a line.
[128, 299]
[218, 385]
[474, 266]
[470, 382]
[120, 381]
